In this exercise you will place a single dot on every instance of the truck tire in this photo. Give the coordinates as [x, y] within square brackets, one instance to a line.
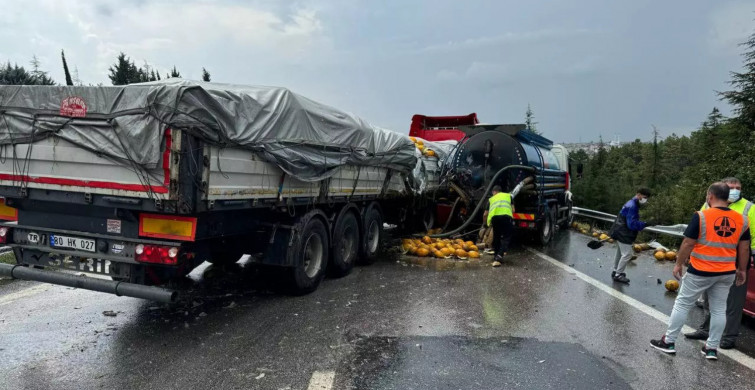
[546, 227]
[346, 241]
[310, 256]
[373, 234]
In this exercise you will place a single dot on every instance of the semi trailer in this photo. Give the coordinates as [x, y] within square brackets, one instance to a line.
[144, 182]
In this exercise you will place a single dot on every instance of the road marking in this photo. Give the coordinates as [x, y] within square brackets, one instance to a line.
[733, 354]
[10, 298]
[322, 380]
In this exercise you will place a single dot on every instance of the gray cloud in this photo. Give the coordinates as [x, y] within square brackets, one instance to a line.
[587, 67]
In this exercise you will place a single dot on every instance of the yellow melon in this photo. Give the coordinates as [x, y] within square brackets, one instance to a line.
[672, 285]
[461, 253]
[474, 254]
[447, 251]
[427, 240]
[413, 139]
[637, 247]
[423, 252]
[438, 254]
[659, 255]
[671, 256]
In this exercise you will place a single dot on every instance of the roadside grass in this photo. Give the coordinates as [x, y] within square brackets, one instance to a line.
[8, 258]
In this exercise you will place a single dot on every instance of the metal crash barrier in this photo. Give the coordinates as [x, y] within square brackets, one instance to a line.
[672, 230]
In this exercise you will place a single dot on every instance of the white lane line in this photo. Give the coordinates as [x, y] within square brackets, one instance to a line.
[733, 354]
[12, 297]
[322, 380]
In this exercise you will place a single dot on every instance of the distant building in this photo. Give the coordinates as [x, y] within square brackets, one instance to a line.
[590, 148]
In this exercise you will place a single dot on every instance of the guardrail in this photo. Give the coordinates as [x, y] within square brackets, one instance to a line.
[672, 230]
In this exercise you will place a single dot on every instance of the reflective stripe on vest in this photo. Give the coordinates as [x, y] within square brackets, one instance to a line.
[746, 211]
[716, 246]
[500, 204]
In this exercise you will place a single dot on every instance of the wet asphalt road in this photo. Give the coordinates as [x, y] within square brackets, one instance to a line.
[528, 324]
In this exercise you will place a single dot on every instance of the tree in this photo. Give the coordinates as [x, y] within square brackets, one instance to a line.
[715, 118]
[76, 79]
[124, 72]
[17, 75]
[529, 120]
[69, 80]
[742, 96]
[40, 77]
[174, 72]
[205, 75]
[654, 177]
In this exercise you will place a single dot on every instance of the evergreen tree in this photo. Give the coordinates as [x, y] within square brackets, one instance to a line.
[205, 75]
[654, 177]
[742, 97]
[40, 77]
[15, 75]
[529, 120]
[76, 79]
[124, 72]
[69, 80]
[174, 72]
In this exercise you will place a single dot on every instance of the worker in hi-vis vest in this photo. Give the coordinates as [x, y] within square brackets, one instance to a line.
[737, 294]
[717, 245]
[500, 215]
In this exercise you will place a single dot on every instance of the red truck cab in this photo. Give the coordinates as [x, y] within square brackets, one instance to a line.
[440, 128]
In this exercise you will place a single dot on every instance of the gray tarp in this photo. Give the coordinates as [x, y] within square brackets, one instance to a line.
[306, 139]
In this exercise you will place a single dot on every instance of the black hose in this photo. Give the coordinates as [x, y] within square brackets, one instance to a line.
[479, 204]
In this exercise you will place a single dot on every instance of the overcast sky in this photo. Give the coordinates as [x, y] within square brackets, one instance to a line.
[587, 67]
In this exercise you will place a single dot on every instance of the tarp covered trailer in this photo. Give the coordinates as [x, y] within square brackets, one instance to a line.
[144, 182]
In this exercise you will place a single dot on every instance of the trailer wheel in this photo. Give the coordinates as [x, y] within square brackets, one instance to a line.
[310, 255]
[546, 227]
[346, 241]
[373, 234]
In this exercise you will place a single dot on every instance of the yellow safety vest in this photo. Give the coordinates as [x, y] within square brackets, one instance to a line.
[744, 207]
[500, 204]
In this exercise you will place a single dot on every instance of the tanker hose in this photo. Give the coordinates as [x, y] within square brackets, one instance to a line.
[479, 205]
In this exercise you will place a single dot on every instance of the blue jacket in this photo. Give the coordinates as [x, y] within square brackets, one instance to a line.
[628, 223]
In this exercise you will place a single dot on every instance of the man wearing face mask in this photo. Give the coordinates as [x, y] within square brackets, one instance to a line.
[625, 230]
[737, 294]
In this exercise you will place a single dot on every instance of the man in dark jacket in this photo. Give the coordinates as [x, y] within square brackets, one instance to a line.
[625, 230]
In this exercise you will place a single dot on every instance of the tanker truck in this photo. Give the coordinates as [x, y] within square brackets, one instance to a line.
[505, 155]
[144, 182]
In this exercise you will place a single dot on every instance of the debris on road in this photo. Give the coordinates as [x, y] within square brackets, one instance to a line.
[109, 313]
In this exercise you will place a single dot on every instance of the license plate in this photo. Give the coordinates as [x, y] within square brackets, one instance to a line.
[79, 244]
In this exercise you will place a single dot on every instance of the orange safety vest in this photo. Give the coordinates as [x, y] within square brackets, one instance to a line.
[716, 247]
